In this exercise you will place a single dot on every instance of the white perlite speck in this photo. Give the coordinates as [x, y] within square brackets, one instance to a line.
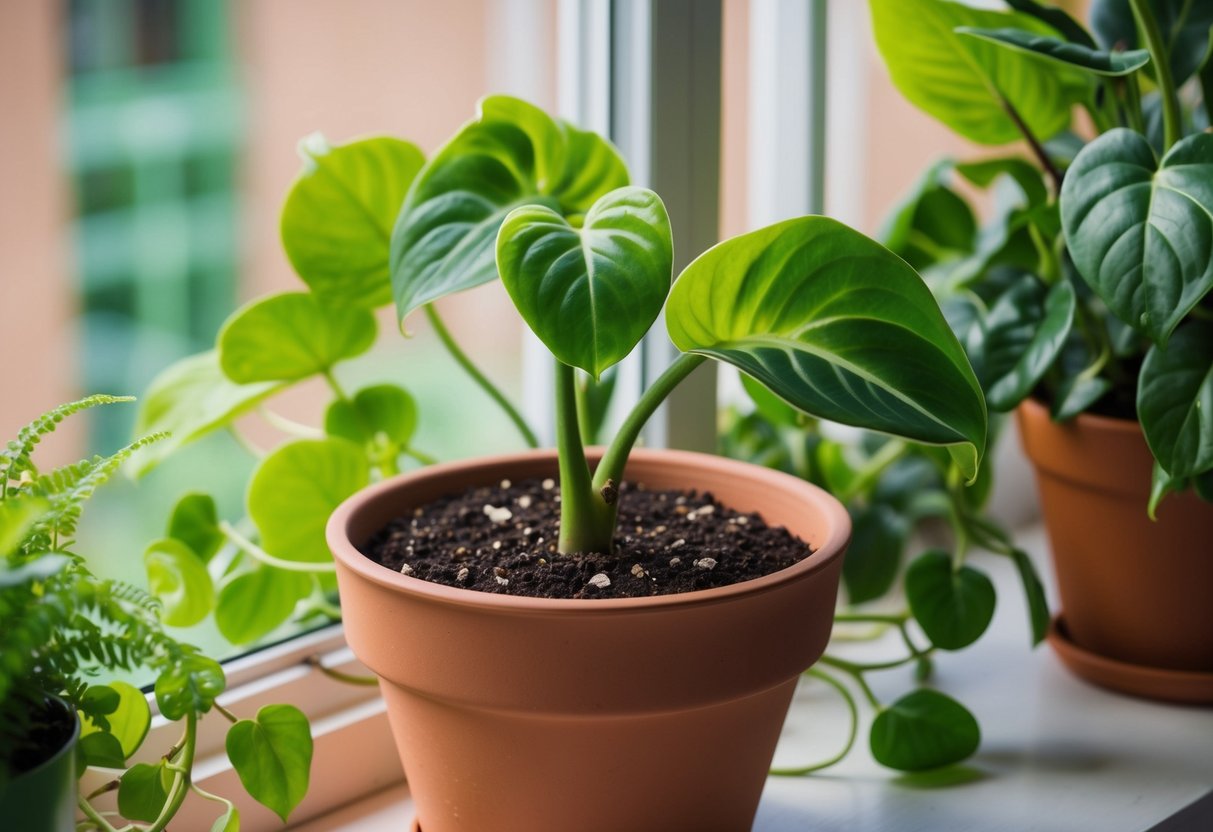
[406, 570]
[708, 509]
[706, 563]
[498, 515]
[675, 561]
[600, 580]
[496, 544]
[501, 580]
[505, 484]
[524, 501]
[463, 575]
[637, 570]
[548, 484]
[677, 543]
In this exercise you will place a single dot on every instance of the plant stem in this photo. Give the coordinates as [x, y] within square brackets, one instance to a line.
[889, 453]
[854, 731]
[257, 553]
[616, 456]
[587, 519]
[480, 378]
[1172, 125]
[1133, 104]
[583, 415]
[340, 676]
[225, 713]
[423, 458]
[334, 385]
[871, 618]
[290, 426]
[1037, 148]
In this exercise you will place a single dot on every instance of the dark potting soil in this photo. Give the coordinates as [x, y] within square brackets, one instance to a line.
[48, 728]
[503, 539]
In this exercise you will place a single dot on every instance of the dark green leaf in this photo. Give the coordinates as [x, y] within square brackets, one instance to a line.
[1055, 17]
[1034, 594]
[1140, 233]
[902, 481]
[1088, 59]
[1175, 400]
[512, 154]
[103, 750]
[1184, 25]
[100, 700]
[338, 217]
[923, 730]
[1076, 394]
[878, 538]
[772, 408]
[953, 606]
[985, 172]
[195, 522]
[591, 292]
[127, 720]
[272, 754]
[179, 580]
[383, 410]
[1023, 335]
[838, 327]
[1202, 484]
[142, 793]
[254, 604]
[753, 439]
[189, 684]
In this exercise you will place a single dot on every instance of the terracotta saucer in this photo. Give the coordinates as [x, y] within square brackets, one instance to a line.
[1187, 687]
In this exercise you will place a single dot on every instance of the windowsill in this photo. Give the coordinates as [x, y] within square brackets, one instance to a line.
[1056, 754]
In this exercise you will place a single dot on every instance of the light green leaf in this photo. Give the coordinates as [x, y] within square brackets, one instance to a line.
[953, 606]
[512, 154]
[17, 516]
[195, 522]
[838, 327]
[772, 408]
[254, 604]
[338, 217]
[102, 750]
[128, 719]
[142, 793]
[1140, 233]
[179, 580]
[229, 821]
[34, 570]
[1034, 594]
[384, 409]
[190, 683]
[291, 336]
[272, 754]
[1175, 400]
[960, 80]
[294, 490]
[923, 730]
[589, 293]
[188, 400]
[1088, 59]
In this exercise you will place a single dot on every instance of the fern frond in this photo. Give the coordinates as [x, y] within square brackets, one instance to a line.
[16, 456]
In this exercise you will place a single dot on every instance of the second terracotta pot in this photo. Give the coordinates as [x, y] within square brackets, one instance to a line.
[516, 714]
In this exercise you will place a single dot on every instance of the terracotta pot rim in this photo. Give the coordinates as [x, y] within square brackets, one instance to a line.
[1092, 421]
[343, 549]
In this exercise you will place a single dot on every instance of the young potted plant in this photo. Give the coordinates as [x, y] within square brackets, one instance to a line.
[1084, 305]
[542, 665]
[64, 627]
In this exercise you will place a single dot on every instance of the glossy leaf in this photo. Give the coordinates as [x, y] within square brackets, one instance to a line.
[338, 217]
[1058, 18]
[384, 409]
[189, 684]
[512, 154]
[959, 80]
[195, 522]
[1088, 59]
[142, 792]
[272, 755]
[1175, 400]
[1184, 25]
[589, 293]
[102, 750]
[1034, 594]
[254, 604]
[294, 490]
[178, 579]
[878, 538]
[1141, 233]
[188, 400]
[838, 327]
[1026, 176]
[953, 606]
[1077, 394]
[127, 720]
[923, 730]
[1023, 334]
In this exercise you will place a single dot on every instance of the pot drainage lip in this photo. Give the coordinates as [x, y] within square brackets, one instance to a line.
[1189, 687]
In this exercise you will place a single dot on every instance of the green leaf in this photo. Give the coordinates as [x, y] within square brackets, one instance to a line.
[1022, 336]
[512, 154]
[128, 718]
[34, 570]
[229, 821]
[1175, 400]
[338, 217]
[179, 580]
[290, 336]
[1202, 484]
[590, 293]
[384, 409]
[1034, 594]
[100, 700]
[1141, 233]
[1076, 394]
[17, 516]
[953, 605]
[294, 490]
[272, 754]
[1059, 19]
[923, 730]
[195, 522]
[1184, 25]
[142, 793]
[772, 408]
[1086, 58]
[189, 684]
[254, 604]
[188, 400]
[878, 538]
[102, 749]
[838, 327]
[960, 80]
[985, 172]
[753, 439]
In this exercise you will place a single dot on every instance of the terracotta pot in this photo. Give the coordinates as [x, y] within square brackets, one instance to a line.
[1132, 591]
[516, 714]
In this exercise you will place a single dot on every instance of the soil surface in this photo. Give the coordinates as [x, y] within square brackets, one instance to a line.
[50, 725]
[503, 539]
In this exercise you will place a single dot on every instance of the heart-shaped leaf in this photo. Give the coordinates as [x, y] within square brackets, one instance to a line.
[142, 792]
[195, 522]
[384, 409]
[272, 755]
[338, 217]
[878, 538]
[837, 326]
[179, 580]
[1141, 233]
[128, 719]
[188, 400]
[589, 293]
[923, 730]
[1021, 338]
[953, 606]
[512, 154]
[1175, 400]
[1184, 25]
[295, 489]
[290, 336]
[102, 749]
[1086, 58]
[254, 604]
[961, 80]
[188, 684]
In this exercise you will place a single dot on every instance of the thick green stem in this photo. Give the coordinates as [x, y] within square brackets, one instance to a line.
[1172, 125]
[587, 518]
[480, 378]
